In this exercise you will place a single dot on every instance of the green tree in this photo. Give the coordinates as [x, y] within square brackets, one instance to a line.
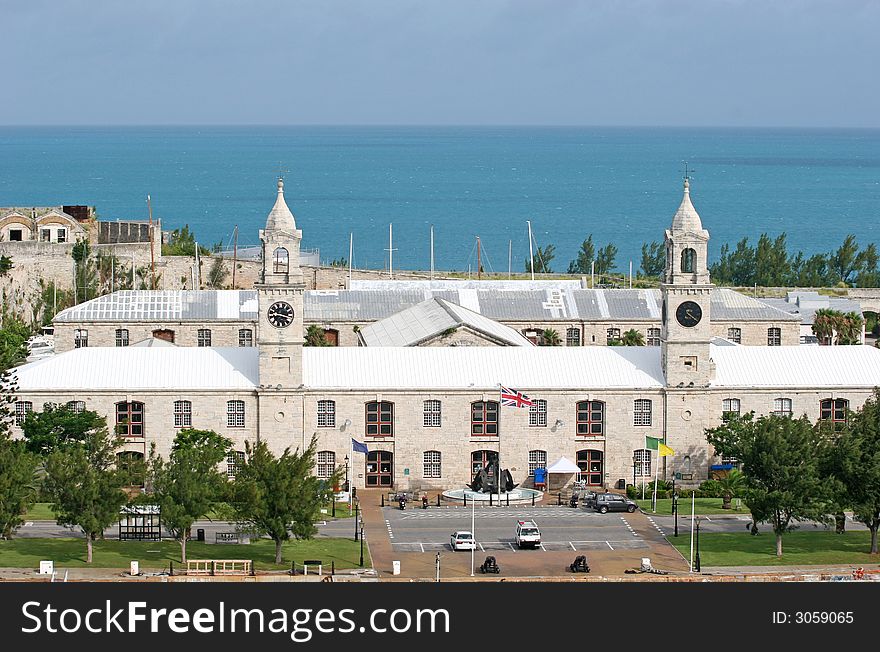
[217, 273]
[315, 336]
[17, 486]
[632, 337]
[586, 254]
[850, 328]
[867, 261]
[653, 259]
[856, 466]
[772, 266]
[189, 485]
[13, 341]
[824, 323]
[844, 262]
[58, 428]
[550, 337]
[6, 265]
[779, 460]
[85, 485]
[605, 259]
[542, 259]
[182, 242]
[280, 496]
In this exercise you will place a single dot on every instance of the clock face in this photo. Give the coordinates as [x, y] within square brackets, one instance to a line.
[280, 314]
[689, 314]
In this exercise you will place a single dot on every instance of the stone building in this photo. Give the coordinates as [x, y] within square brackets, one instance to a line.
[431, 415]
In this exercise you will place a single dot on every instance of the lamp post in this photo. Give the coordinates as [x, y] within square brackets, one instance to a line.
[356, 505]
[345, 486]
[674, 506]
[697, 543]
[362, 547]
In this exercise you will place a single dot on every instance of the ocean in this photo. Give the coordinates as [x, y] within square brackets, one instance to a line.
[621, 185]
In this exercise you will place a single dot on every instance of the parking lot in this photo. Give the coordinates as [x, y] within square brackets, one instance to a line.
[562, 529]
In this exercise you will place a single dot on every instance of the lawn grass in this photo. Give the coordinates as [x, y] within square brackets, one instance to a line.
[799, 548]
[40, 512]
[71, 553]
[702, 506]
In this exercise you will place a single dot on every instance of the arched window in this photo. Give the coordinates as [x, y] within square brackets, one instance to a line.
[131, 465]
[380, 418]
[484, 418]
[834, 411]
[688, 261]
[590, 463]
[76, 406]
[281, 261]
[590, 418]
[480, 459]
[130, 419]
[431, 463]
[326, 461]
[729, 408]
[183, 413]
[782, 407]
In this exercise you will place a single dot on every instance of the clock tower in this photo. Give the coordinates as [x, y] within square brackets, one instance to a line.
[686, 293]
[280, 292]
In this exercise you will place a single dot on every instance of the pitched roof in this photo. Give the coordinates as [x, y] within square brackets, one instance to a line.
[482, 368]
[804, 304]
[428, 319]
[170, 305]
[133, 368]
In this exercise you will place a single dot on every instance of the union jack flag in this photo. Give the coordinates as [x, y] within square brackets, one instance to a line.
[514, 398]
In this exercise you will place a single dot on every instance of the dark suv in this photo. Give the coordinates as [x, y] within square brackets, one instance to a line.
[613, 503]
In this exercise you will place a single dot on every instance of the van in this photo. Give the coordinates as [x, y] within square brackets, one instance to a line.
[527, 534]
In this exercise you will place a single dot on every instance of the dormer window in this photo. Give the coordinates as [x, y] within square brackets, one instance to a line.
[688, 261]
[281, 261]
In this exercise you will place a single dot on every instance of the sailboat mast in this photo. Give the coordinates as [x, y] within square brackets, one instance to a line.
[531, 255]
[479, 262]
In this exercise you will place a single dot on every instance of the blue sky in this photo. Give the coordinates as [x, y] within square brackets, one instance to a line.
[548, 62]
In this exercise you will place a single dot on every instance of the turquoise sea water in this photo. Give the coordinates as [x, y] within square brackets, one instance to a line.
[620, 184]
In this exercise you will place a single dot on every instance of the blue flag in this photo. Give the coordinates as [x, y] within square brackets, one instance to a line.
[358, 447]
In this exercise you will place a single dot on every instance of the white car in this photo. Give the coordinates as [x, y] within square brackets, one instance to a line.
[527, 534]
[462, 541]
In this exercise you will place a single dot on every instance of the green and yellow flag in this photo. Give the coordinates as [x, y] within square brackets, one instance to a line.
[652, 443]
[665, 450]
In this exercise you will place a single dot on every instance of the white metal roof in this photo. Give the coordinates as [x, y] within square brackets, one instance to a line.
[426, 320]
[482, 368]
[135, 368]
[161, 305]
[796, 366]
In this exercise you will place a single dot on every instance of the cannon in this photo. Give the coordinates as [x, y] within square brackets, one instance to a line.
[579, 565]
[490, 566]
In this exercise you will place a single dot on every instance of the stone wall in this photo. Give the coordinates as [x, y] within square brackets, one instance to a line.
[223, 333]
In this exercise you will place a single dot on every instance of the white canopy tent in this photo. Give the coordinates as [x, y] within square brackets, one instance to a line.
[563, 466]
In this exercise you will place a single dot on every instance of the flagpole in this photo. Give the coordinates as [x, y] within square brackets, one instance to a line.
[350, 470]
[498, 460]
[473, 532]
[693, 502]
[654, 497]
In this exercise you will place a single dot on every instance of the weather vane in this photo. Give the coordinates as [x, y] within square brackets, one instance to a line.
[687, 171]
[282, 170]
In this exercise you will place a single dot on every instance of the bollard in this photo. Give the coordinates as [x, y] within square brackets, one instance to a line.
[333, 567]
[438, 500]
[293, 567]
[508, 499]
[213, 567]
[253, 571]
[559, 498]
[533, 500]
[171, 568]
[333, 511]
[490, 499]
[383, 500]
[465, 498]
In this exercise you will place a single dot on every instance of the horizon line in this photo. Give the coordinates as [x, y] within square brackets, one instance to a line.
[432, 126]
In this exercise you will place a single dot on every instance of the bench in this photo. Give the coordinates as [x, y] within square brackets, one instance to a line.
[312, 562]
[219, 567]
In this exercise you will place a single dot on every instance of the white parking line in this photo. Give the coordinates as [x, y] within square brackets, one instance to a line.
[609, 545]
[572, 546]
[511, 546]
[541, 546]
[422, 547]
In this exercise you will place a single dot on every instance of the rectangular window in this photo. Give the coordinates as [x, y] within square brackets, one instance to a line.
[612, 334]
[431, 415]
[734, 335]
[431, 464]
[834, 410]
[62, 235]
[572, 337]
[484, 418]
[22, 408]
[245, 337]
[538, 413]
[729, 408]
[642, 412]
[653, 337]
[774, 337]
[182, 414]
[537, 460]
[590, 418]
[782, 407]
[121, 337]
[204, 337]
[234, 462]
[235, 414]
[130, 419]
[642, 462]
[380, 418]
[45, 235]
[326, 414]
[326, 464]
[78, 407]
[80, 338]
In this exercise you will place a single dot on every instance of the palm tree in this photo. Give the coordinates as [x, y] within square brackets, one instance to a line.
[632, 337]
[550, 337]
[824, 322]
[731, 485]
[849, 330]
